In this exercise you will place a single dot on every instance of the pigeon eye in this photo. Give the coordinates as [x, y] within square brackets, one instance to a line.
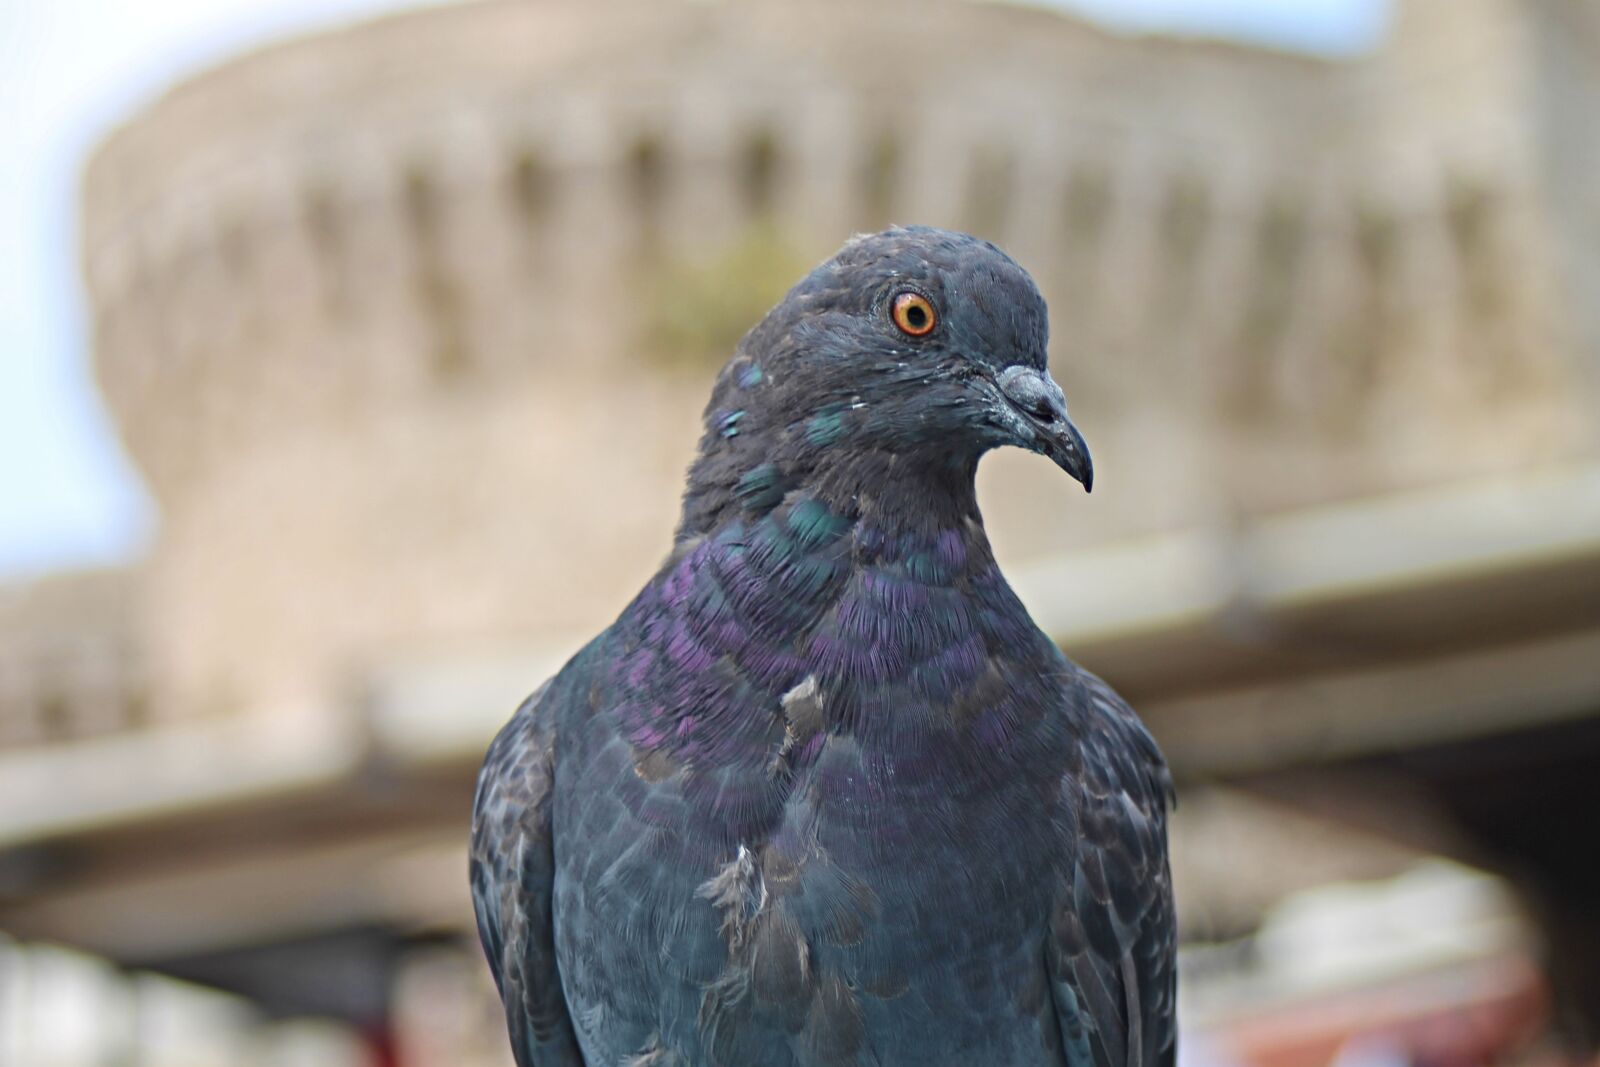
[913, 314]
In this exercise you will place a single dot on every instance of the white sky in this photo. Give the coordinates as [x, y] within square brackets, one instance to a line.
[70, 69]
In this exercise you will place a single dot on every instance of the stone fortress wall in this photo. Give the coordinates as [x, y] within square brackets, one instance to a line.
[408, 325]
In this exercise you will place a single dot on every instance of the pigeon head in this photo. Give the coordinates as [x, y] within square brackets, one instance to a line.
[911, 349]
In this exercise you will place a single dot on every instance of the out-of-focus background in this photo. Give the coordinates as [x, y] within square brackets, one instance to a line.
[404, 326]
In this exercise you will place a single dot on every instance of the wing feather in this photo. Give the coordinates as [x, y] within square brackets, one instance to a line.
[513, 874]
[1113, 947]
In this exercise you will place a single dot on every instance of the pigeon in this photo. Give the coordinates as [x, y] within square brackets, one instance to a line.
[823, 793]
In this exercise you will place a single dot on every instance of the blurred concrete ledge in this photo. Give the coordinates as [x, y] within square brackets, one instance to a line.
[148, 775]
[1384, 578]
[395, 878]
[1352, 713]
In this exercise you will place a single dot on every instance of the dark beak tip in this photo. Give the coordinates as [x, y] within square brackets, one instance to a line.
[1084, 474]
[1077, 462]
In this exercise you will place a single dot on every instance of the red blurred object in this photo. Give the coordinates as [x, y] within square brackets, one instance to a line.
[1486, 1013]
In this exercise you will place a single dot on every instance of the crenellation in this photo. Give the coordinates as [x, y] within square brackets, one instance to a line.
[436, 286]
[323, 214]
[532, 187]
[760, 165]
[990, 193]
[1313, 307]
[881, 165]
[1087, 199]
[1278, 261]
[649, 177]
[1128, 260]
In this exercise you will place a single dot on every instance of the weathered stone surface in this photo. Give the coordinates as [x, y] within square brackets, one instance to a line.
[381, 312]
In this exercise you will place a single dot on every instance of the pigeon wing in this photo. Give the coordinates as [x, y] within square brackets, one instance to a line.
[513, 870]
[1113, 936]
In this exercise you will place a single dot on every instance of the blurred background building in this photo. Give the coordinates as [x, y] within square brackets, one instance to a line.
[407, 327]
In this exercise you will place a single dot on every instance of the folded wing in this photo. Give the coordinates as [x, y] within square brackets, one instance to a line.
[1112, 954]
[513, 872]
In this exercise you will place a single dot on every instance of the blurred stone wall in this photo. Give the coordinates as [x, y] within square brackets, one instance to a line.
[408, 325]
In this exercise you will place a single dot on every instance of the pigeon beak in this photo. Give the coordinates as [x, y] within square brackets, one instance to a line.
[1039, 400]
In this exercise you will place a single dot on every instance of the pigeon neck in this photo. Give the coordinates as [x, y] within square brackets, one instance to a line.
[895, 493]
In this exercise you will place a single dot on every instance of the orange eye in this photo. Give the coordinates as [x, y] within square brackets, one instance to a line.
[913, 314]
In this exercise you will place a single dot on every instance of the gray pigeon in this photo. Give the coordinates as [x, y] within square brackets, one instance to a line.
[824, 794]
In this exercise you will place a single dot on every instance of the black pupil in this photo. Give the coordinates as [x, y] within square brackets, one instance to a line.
[916, 316]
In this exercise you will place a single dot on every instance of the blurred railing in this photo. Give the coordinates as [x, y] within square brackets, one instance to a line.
[60, 1008]
[69, 665]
